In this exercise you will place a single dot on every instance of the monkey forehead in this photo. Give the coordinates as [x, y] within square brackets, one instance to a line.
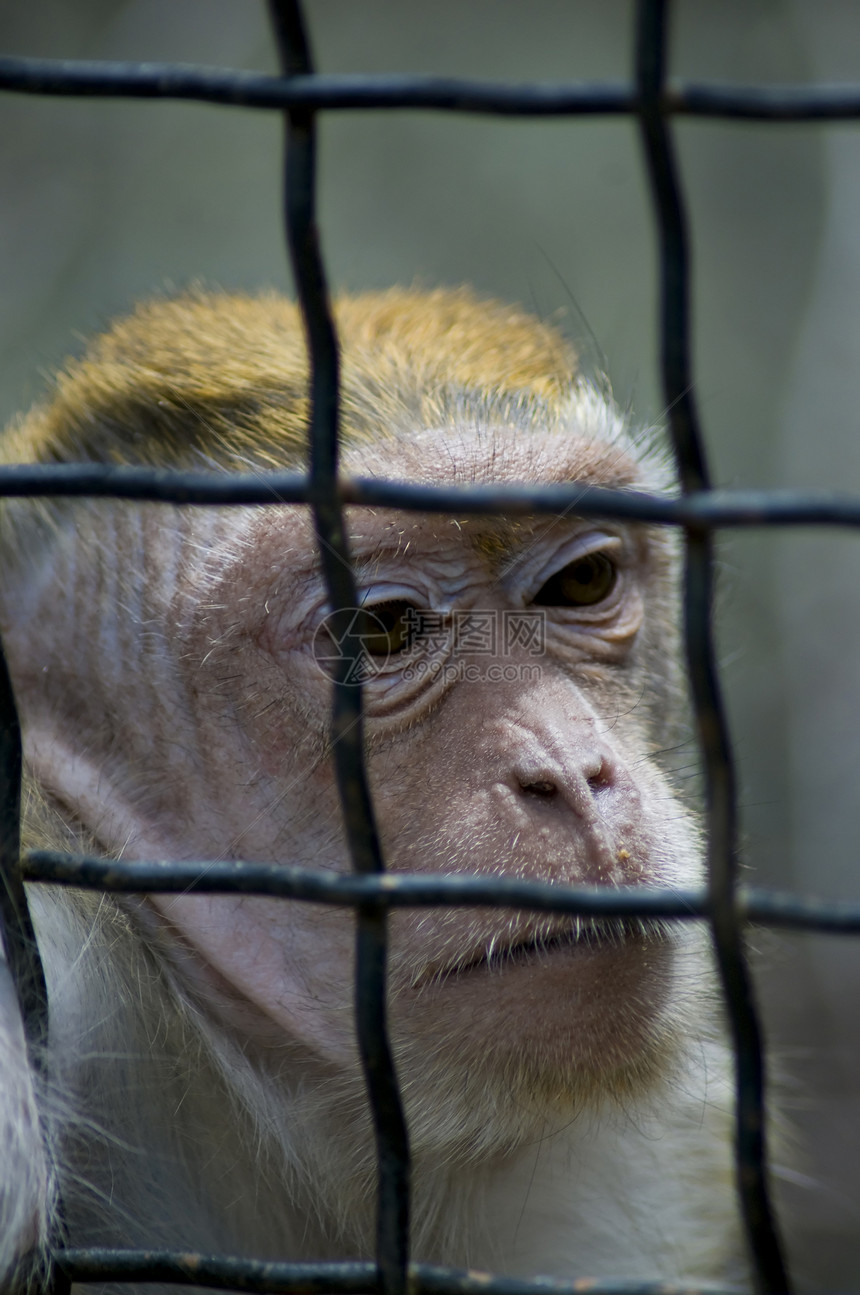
[598, 451]
[470, 453]
[592, 444]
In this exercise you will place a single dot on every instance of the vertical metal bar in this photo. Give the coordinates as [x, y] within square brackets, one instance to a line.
[720, 792]
[16, 927]
[347, 716]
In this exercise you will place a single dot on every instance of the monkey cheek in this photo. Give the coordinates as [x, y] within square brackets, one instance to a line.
[588, 1016]
[249, 962]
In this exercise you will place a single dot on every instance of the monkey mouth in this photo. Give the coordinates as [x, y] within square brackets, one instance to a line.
[544, 943]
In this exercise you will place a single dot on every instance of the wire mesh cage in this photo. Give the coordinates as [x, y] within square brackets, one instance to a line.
[301, 94]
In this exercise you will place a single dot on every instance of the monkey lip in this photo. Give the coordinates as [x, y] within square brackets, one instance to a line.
[577, 936]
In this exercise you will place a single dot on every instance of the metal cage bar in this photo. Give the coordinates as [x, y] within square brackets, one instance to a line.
[300, 93]
[347, 723]
[237, 89]
[769, 1268]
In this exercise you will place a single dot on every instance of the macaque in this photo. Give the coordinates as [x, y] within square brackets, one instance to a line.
[565, 1080]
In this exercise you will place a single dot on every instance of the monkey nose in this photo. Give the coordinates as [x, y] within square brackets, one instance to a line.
[576, 786]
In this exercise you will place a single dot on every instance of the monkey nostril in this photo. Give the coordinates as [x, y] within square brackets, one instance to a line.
[579, 786]
[601, 778]
[543, 788]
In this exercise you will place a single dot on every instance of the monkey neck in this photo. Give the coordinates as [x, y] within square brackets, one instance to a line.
[190, 1146]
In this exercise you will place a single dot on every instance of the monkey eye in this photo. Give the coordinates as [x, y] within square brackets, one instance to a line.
[582, 583]
[389, 627]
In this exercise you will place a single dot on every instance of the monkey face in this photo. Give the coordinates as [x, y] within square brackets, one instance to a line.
[511, 720]
[519, 687]
[511, 727]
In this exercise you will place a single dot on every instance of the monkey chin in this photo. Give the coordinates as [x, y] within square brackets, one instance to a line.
[545, 1031]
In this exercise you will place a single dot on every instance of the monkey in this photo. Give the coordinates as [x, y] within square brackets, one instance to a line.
[565, 1080]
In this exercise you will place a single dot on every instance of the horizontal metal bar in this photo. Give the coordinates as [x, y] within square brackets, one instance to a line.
[223, 1272]
[384, 890]
[239, 88]
[387, 890]
[218, 1272]
[775, 103]
[799, 912]
[706, 509]
[697, 510]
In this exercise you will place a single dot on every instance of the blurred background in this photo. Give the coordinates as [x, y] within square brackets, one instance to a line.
[102, 202]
